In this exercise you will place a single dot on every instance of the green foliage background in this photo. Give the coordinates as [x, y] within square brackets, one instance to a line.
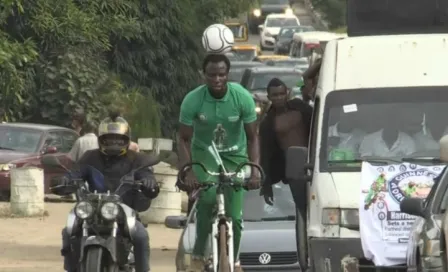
[334, 12]
[141, 56]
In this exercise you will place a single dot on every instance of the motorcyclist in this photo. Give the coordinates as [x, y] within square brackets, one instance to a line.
[114, 159]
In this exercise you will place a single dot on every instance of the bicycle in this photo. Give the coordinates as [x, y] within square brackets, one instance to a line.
[222, 234]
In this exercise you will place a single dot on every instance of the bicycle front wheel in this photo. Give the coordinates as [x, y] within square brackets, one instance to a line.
[223, 264]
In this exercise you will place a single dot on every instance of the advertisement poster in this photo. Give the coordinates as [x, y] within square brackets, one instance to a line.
[384, 229]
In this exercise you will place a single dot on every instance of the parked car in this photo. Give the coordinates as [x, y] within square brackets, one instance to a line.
[23, 144]
[237, 69]
[268, 242]
[425, 252]
[284, 38]
[258, 14]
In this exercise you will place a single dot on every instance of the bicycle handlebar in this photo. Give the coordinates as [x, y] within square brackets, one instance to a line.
[229, 175]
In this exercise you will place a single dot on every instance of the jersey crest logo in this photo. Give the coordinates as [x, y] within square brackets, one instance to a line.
[202, 117]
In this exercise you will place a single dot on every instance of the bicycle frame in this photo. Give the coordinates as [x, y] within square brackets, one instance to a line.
[218, 221]
[224, 180]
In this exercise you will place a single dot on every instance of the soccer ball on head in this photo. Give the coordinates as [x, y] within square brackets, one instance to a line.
[217, 38]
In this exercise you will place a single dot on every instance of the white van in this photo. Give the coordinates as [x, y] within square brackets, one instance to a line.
[312, 43]
[384, 87]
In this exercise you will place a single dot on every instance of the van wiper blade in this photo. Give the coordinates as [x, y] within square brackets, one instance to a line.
[422, 159]
[374, 160]
[280, 218]
[6, 148]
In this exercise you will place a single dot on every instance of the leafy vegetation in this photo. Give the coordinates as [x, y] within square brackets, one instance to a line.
[141, 56]
[334, 11]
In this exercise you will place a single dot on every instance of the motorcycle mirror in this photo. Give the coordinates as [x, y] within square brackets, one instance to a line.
[50, 160]
[63, 190]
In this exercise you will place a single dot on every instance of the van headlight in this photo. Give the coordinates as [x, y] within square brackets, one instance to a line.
[346, 218]
[350, 218]
[7, 166]
[257, 12]
[83, 210]
[109, 210]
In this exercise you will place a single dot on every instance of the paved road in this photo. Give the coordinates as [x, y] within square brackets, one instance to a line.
[299, 10]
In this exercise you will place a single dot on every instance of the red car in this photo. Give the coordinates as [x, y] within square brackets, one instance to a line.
[23, 144]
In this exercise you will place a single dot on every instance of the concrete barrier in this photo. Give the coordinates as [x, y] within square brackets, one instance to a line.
[169, 201]
[27, 191]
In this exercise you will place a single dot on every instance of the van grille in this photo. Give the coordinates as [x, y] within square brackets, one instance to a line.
[277, 258]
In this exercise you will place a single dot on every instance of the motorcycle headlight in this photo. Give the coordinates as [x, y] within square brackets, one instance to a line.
[109, 211]
[83, 210]
[257, 12]
[257, 109]
[289, 11]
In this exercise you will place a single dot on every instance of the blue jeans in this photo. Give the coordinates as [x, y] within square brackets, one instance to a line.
[140, 240]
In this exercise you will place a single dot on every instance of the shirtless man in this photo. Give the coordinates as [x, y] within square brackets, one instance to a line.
[286, 124]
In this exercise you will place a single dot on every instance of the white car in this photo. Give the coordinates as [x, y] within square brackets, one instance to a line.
[271, 27]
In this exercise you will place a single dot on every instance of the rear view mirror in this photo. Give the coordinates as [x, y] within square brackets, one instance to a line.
[412, 206]
[240, 31]
[260, 27]
[296, 158]
[176, 222]
[50, 160]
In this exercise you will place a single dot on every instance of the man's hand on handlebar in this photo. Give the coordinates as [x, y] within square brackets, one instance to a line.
[254, 180]
[191, 181]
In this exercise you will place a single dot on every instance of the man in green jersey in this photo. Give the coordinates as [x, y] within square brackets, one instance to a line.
[224, 113]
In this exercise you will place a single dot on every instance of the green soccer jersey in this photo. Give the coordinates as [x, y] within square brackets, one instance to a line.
[221, 121]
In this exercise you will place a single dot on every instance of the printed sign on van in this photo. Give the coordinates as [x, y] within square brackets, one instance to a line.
[384, 229]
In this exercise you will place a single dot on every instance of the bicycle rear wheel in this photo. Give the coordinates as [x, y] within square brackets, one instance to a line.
[223, 263]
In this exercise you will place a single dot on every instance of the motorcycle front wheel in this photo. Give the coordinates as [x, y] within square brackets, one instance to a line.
[96, 260]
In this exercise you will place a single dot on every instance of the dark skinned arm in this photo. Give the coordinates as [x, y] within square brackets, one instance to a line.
[253, 145]
[185, 135]
[308, 79]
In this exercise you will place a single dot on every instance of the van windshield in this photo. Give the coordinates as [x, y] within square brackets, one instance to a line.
[387, 124]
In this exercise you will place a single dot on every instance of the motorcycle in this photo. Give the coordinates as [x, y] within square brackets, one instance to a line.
[100, 225]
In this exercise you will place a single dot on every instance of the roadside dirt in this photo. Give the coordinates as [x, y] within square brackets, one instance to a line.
[33, 244]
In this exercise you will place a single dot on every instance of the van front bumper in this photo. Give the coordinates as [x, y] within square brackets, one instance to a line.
[327, 254]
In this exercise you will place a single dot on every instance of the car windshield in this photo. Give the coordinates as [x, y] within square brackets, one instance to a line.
[260, 81]
[245, 54]
[275, 2]
[281, 22]
[288, 33]
[382, 124]
[235, 74]
[255, 209]
[19, 139]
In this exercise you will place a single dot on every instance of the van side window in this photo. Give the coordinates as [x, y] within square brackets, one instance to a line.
[314, 130]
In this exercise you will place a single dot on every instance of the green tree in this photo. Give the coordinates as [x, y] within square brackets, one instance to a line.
[334, 11]
[59, 55]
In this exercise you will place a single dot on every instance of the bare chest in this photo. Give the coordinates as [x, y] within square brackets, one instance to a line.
[288, 121]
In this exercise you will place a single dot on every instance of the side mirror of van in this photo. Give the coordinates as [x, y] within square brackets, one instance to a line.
[296, 157]
[413, 206]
